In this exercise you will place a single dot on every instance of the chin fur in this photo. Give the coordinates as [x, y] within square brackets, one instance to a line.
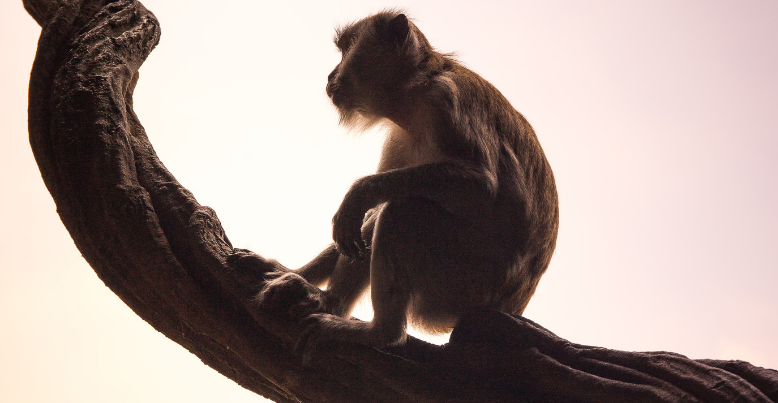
[356, 121]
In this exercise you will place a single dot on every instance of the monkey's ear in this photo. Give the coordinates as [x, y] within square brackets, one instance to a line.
[405, 38]
[400, 28]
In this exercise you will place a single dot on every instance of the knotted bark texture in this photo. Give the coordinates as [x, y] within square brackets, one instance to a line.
[168, 258]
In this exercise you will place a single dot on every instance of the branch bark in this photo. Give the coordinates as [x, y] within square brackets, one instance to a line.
[167, 257]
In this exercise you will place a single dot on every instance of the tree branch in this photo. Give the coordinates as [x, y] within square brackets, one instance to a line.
[168, 258]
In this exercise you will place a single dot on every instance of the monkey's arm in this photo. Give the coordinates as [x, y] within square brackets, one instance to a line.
[456, 187]
[318, 270]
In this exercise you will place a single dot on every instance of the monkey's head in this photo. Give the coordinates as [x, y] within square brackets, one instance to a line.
[384, 56]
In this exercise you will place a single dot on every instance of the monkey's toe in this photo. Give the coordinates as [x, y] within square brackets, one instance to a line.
[314, 336]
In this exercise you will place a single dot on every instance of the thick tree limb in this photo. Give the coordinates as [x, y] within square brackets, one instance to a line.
[168, 258]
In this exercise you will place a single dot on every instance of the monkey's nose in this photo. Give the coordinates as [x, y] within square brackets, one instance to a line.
[332, 85]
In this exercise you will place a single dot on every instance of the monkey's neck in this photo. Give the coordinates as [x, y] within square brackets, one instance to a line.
[416, 117]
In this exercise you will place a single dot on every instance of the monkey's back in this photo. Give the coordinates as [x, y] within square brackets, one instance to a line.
[501, 254]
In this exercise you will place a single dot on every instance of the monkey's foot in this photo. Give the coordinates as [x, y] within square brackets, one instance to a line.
[321, 330]
[289, 292]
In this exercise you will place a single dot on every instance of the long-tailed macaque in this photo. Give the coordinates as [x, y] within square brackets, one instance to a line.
[462, 213]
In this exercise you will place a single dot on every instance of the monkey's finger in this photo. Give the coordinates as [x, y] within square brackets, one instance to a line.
[353, 251]
[310, 339]
[358, 250]
[348, 247]
[362, 249]
[243, 258]
[279, 293]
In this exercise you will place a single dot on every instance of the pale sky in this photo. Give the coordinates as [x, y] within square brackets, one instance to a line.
[659, 119]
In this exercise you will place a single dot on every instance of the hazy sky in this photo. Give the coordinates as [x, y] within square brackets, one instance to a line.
[659, 118]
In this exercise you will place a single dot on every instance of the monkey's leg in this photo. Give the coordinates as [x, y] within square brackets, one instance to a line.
[390, 290]
[295, 290]
[456, 187]
[350, 278]
[421, 268]
[346, 285]
[322, 267]
[389, 281]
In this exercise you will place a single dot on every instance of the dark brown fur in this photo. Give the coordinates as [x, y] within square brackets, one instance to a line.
[462, 213]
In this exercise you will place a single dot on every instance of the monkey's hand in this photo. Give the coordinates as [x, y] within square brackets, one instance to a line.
[347, 222]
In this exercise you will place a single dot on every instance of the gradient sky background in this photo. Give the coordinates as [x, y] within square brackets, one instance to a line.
[659, 118]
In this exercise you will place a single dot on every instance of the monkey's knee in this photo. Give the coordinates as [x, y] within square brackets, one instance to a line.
[416, 233]
[409, 220]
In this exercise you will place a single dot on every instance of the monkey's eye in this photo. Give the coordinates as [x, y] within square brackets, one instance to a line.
[341, 44]
[343, 39]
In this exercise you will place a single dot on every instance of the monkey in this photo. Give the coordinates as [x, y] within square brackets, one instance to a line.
[462, 213]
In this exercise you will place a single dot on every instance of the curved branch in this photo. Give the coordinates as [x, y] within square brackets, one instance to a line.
[168, 258]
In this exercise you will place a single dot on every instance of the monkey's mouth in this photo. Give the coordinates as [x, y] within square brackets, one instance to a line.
[331, 89]
[336, 96]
